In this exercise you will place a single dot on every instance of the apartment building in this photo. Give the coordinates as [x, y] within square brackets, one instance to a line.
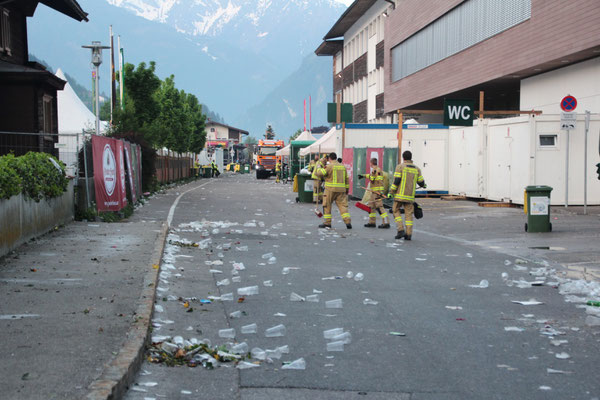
[356, 45]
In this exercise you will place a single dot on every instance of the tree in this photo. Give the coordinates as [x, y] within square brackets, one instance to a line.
[198, 121]
[141, 84]
[250, 140]
[269, 133]
[295, 135]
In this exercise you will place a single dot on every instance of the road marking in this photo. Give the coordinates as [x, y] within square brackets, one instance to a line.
[174, 206]
[40, 281]
[19, 316]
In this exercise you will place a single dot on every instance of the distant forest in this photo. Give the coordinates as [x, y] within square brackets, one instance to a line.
[85, 94]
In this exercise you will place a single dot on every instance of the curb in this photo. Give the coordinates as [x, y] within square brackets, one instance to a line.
[119, 374]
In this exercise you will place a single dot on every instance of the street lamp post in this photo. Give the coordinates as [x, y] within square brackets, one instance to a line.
[96, 48]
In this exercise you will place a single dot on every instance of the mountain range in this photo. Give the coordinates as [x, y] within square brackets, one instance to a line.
[251, 61]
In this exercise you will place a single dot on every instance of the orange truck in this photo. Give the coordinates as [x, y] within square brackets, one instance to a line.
[265, 157]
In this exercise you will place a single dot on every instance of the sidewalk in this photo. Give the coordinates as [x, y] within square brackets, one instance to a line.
[72, 304]
[571, 246]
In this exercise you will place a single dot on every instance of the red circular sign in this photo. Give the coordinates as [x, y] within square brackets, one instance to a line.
[568, 103]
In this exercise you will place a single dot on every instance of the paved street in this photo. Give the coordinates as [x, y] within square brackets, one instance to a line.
[459, 342]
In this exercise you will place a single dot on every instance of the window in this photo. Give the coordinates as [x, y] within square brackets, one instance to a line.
[47, 114]
[4, 30]
[466, 25]
[547, 140]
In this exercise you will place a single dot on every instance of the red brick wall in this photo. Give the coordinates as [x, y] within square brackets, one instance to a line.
[557, 29]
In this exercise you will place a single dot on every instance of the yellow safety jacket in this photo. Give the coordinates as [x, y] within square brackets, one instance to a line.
[376, 180]
[336, 177]
[406, 177]
[319, 166]
[311, 166]
[277, 167]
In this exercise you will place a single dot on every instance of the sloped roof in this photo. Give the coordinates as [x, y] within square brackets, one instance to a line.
[24, 73]
[67, 7]
[349, 18]
[227, 126]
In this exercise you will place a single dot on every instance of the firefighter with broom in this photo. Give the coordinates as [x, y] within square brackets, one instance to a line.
[336, 190]
[377, 189]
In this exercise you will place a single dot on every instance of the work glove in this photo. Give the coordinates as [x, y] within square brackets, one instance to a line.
[424, 186]
[360, 176]
[390, 195]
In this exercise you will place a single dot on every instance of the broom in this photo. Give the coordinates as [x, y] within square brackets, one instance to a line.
[365, 207]
[318, 213]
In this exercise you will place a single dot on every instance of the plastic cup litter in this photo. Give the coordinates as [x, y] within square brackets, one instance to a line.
[248, 291]
[337, 303]
[276, 331]
[248, 329]
[227, 333]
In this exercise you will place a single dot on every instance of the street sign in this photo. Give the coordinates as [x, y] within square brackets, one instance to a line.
[459, 112]
[568, 120]
[568, 103]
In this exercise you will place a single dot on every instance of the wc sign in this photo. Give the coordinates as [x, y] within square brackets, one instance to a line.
[459, 112]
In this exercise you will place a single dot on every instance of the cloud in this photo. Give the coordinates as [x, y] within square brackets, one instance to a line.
[293, 114]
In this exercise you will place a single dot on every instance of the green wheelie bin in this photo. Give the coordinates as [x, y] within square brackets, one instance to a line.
[537, 208]
[305, 188]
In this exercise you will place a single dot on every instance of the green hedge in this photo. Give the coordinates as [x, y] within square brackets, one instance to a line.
[34, 175]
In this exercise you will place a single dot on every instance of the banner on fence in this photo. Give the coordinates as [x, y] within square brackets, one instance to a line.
[138, 150]
[107, 173]
[122, 187]
[130, 172]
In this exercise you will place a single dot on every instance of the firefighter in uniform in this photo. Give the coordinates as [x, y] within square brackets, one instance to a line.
[277, 171]
[406, 179]
[377, 195]
[313, 167]
[336, 190]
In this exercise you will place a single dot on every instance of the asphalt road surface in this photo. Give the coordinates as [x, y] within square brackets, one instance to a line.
[459, 342]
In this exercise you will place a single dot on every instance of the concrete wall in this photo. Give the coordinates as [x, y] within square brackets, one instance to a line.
[23, 219]
[545, 91]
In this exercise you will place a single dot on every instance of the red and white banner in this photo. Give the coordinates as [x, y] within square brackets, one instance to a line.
[130, 172]
[107, 173]
[121, 164]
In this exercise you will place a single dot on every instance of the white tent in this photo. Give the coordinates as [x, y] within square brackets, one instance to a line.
[73, 118]
[283, 152]
[306, 135]
[73, 115]
[327, 144]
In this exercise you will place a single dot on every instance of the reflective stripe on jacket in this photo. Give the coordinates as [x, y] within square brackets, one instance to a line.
[376, 180]
[409, 175]
[336, 177]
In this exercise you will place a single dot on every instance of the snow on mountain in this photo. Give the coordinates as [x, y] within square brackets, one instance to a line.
[213, 17]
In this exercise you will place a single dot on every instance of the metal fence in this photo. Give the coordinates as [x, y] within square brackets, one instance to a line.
[64, 146]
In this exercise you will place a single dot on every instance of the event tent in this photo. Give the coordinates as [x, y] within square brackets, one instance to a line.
[73, 115]
[327, 144]
[306, 135]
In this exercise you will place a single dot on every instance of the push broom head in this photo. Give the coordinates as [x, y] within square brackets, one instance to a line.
[363, 206]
